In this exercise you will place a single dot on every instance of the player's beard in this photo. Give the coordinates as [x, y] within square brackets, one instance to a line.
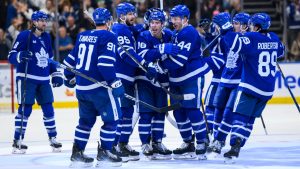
[129, 23]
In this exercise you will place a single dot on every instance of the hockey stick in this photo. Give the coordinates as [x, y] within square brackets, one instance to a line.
[159, 110]
[174, 96]
[289, 89]
[24, 92]
[207, 47]
[264, 125]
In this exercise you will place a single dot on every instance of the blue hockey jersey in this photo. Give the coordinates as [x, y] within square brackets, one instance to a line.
[188, 64]
[231, 46]
[125, 66]
[216, 62]
[148, 49]
[260, 53]
[39, 68]
[94, 55]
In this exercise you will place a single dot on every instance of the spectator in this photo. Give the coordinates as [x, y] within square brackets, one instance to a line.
[3, 9]
[66, 11]
[295, 50]
[293, 13]
[49, 9]
[24, 10]
[4, 45]
[15, 28]
[72, 28]
[11, 12]
[37, 4]
[210, 8]
[65, 43]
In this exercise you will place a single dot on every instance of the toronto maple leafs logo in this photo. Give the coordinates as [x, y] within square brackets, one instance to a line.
[232, 58]
[42, 58]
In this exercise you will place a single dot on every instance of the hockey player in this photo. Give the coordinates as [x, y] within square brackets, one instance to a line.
[216, 64]
[240, 22]
[226, 91]
[32, 47]
[260, 52]
[94, 54]
[126, 69]
[151, 124]
[186, 71]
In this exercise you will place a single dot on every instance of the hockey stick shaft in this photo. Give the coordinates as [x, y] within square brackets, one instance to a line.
[207, 47]
[160, 110]
[24, 91]
[264, 125]
[174, 96]
[289, 89]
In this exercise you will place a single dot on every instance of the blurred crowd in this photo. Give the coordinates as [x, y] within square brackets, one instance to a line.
[16, 14]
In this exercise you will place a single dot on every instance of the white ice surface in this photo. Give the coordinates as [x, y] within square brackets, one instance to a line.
[278, 150]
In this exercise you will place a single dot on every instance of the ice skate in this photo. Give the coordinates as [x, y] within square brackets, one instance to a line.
[233, 153]
[201, 151]
[124, 156]
[126, 149]
[185, 151]
[18, 147]
[147, 150]
[106, 158]
[56, 146]
[79, 159]
[160, 152]
[215, 149]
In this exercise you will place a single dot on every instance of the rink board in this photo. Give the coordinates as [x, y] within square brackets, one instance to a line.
[66, 98]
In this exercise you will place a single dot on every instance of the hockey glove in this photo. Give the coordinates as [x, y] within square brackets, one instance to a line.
[57, 79]
[151, 71]
[117, 88]
[24, 56]
[168, 48]
[70, 82]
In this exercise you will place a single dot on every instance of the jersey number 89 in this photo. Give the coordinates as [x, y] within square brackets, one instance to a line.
[267, 63]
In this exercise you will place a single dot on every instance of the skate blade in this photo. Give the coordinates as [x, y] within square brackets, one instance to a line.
[134, 158]
[202, 157]
[18, 151]
[213, 155]
[105, 164]
[56, 150]
[231, 160]
[78, 164]
[184, 156]
[125, 159]
[161, 157]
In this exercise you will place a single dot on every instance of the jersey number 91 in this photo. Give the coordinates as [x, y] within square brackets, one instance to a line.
[83, 54]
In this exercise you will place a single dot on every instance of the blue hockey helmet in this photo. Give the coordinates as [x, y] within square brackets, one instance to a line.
[223, 20]
[181, 11]
[262, 20]
[242, 18]
[124, 8]
[157, 15]
[101, 16]
[147, 14]
[39, 15]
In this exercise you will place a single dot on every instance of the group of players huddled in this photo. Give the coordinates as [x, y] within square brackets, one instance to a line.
[139, 61]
